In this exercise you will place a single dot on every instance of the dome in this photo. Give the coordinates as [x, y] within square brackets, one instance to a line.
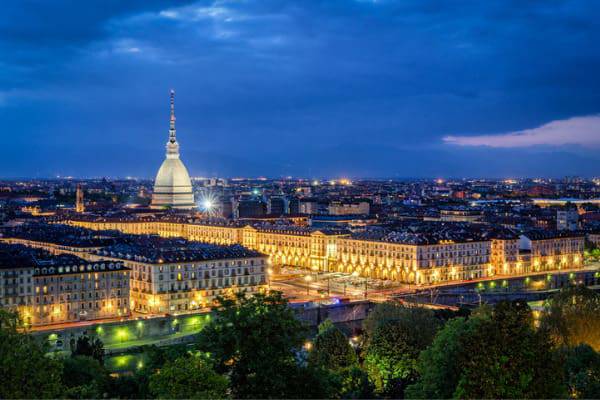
[172, 186]
[172, 173]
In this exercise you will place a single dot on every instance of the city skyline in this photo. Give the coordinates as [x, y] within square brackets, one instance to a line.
[359, 89]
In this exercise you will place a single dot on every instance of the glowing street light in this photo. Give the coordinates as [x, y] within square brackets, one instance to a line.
[356, 275]
[269, 275]
[307, 278]
[207, 204]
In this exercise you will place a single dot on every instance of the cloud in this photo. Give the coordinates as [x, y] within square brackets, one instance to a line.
[583, 131]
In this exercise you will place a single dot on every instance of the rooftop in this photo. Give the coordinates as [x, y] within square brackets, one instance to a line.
[430, 233]
[543, 234]
[63, 235]
[157, 250]
[46, 263]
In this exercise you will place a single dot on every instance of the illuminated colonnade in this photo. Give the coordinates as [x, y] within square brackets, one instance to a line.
[406, 263]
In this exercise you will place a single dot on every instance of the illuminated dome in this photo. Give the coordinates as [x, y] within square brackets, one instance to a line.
[172, 186]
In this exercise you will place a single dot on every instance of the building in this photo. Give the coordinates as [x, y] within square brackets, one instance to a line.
[277, 205]
[167, 275]
[176, 276]
[16, 281]
[308, 206]
[460, 215]
[249, 208]
[545, 250]
[567, 218]
[294, 206]
[594, 238]
[47, 289]
[421, 253]
[361, 207]
[79, 205]
[172, 186]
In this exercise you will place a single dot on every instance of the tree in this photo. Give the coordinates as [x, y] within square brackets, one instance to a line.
[572, 317]
[395, 337]
[188, 378]
[255, 340]
[84, 378]
[495, 354]
[331, 349]
[354, 384]
[582, 369]
[25, 369]
[93, 348]
[136, 386]
[438, 367]
[382, 313]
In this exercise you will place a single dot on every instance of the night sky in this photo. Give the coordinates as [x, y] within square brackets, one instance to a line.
[357, 88]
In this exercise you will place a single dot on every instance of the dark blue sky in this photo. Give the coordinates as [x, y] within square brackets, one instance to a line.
[362, 88]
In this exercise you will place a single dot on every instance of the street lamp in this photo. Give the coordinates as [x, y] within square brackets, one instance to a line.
[356, 274]
[307, 278]
[316, 271]
[269, 273]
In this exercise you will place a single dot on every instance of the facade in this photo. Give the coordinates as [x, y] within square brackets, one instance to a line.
[567, 219]
[161, 275]
[175, 276]
[79, 205]
[172, 186]
[277, 205]
[594, 238]
[249, 208]
[557, 250]
[16, 281]
[349, 208]
[457, 215]
[407, 258]
[308, 206]
[50, 289]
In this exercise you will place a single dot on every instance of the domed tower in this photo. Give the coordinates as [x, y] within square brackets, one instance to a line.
[172, 186]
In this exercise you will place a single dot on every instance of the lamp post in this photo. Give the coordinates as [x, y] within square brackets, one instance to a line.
[269, 275]
[356, 274]
[307, 278]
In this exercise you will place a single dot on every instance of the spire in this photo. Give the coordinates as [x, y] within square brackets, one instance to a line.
[172, 145]
[172, 137]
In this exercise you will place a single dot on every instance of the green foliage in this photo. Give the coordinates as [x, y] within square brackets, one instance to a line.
[506, 358]
[84, 378]
[255, 340]
[136, 386]
[395, 337]
[87, 347]
[438, 367]
[188, 378]
[582, 369]
[382, 313]
[307, 383]
[25, 370]
[130, 387]
[490, 356]
[331, 349]
[353, 383]
[572, 317]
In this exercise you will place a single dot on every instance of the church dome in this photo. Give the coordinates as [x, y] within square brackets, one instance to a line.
[172, 174]
[172, 186]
